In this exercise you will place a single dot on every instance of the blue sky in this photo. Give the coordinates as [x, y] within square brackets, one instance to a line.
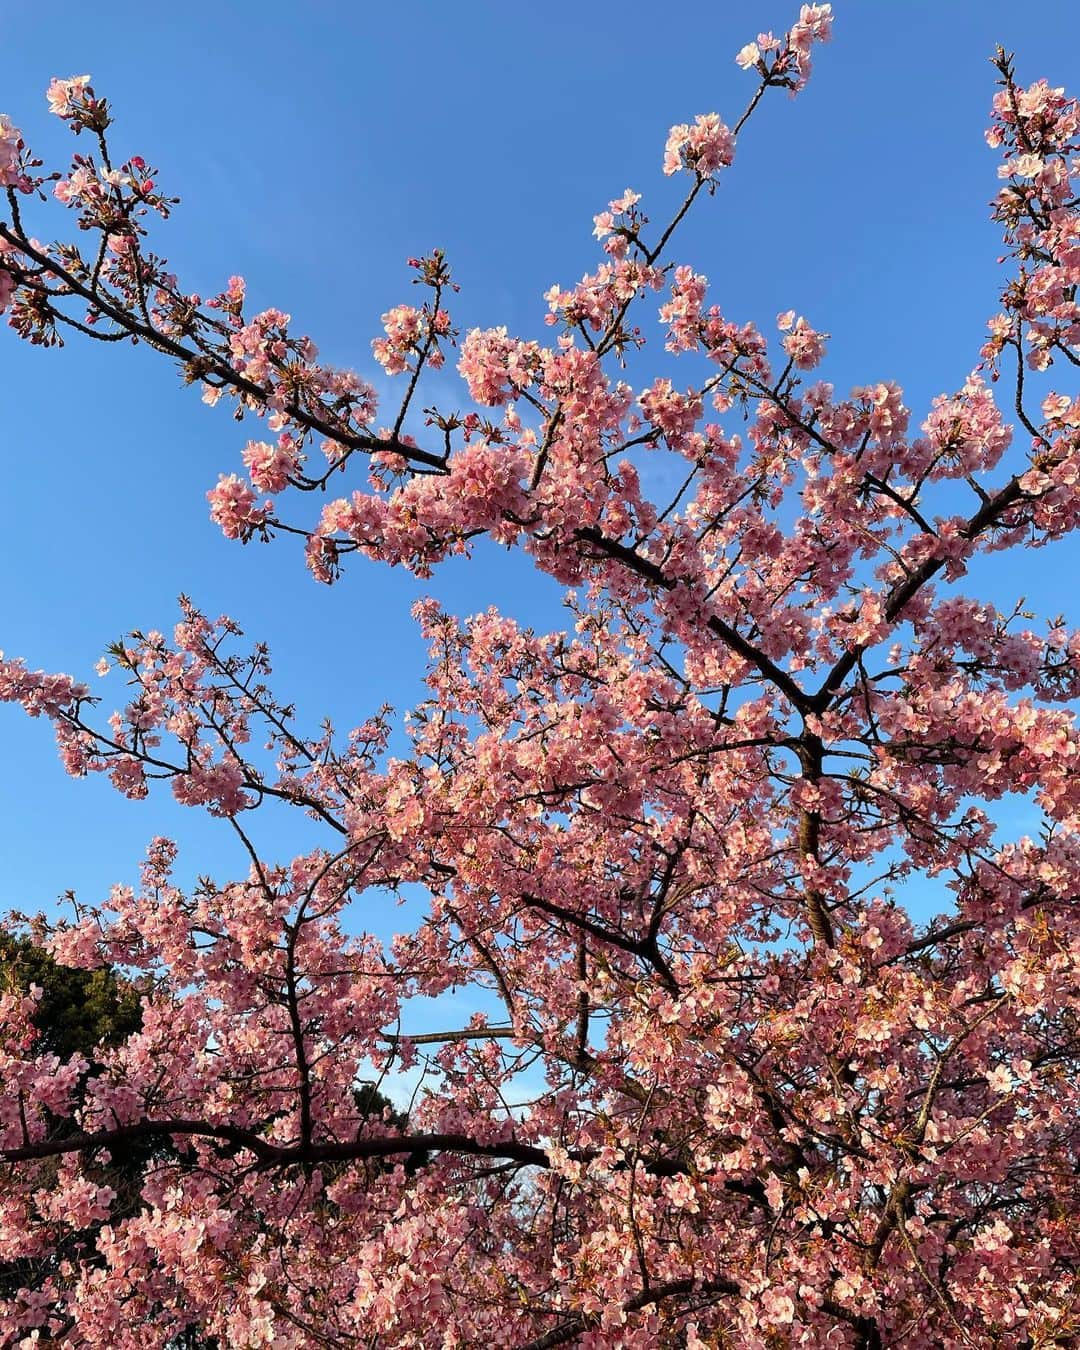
[316, 147]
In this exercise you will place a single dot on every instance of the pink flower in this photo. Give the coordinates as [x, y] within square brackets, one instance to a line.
[271, 466]
[232, 506]
[404, 325]
[966, 432]
[778, 1308]
[683, 313]
[497, 367]
[604, 223]
[63, 93]
[218, 787]
[128, 778]
[703, 148]
[10, 144]
[674, 414]
[805, 346]
[629, 199]
[1000, 1079]
[814, 25]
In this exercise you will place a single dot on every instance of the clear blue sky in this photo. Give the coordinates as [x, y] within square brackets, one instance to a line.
[316, 146]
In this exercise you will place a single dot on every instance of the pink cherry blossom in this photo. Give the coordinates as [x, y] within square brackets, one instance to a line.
[10, 143]
[711, 1081]
[232, 506]
[270, 466]
[63, 93]
[748, 55]
[704, 147]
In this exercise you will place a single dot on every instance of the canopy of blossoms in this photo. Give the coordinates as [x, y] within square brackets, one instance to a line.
[674, 841]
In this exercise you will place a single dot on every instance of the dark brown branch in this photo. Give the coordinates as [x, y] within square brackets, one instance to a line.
[220, 369]
[988, 515]
[651, 572]
[270, 1155]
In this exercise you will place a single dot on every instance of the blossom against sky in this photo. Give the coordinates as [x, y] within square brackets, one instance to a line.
[315, 150]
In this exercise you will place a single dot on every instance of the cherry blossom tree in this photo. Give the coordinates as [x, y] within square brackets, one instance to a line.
[674, 841]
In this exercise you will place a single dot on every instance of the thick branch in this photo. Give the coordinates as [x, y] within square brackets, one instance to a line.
[270, 1155]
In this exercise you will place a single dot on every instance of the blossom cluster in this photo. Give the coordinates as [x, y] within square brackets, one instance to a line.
[790, 56]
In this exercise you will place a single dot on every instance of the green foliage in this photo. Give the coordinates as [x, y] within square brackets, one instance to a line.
[371, 1103]
[80, 1010]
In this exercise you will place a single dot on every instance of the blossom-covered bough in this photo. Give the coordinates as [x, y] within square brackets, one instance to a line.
[673, 841]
